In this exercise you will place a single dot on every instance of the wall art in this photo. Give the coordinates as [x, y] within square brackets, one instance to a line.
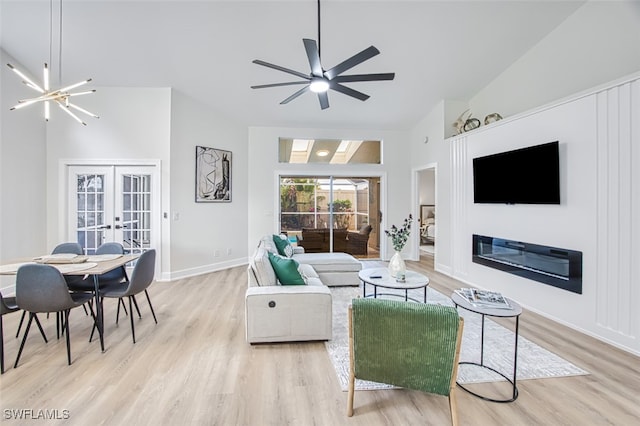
[213, 175]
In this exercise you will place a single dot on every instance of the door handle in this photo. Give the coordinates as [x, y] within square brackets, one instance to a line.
[120, 226]
[104, 227]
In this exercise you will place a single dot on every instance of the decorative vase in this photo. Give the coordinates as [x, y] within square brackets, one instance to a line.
[396, 265]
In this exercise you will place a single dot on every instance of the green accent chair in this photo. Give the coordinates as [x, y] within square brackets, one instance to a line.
[405, 344]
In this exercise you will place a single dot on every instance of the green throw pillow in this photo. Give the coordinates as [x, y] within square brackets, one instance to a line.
[286, 270]
[283, 246]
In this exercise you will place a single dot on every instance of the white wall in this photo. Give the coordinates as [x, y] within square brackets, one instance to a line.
[22, 168]
[264, 170]
[203, 230]
[434, 153]
[597, 44]
[134, 124]
[600, 202]
[22, 171]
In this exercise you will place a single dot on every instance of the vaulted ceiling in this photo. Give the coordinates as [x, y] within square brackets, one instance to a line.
[203, 50]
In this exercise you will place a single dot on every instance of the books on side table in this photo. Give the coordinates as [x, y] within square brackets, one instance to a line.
[484, 298]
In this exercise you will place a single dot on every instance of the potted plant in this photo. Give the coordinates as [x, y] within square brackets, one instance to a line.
[399, 237]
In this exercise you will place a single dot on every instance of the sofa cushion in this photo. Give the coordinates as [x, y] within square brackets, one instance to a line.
[262, 268]
[334, 262]
[309, 274]
[282, 245]
[267, 243]
[286, 270]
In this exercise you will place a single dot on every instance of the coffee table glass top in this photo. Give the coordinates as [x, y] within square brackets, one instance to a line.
[412, 279]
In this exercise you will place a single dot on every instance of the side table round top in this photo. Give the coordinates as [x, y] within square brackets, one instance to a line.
[515, 310]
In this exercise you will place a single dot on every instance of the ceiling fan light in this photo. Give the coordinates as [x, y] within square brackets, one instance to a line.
[319, 85]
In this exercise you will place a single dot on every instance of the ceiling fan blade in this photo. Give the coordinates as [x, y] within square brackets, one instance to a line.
[356, 59]
[295, 95]
[283, 69]
[314, 56]
[348, 91]
[364, 77]
[290, 83]
[323, 97]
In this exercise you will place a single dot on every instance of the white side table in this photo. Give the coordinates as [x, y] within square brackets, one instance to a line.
[514, 312]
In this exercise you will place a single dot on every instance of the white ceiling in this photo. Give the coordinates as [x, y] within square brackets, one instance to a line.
[203, 49]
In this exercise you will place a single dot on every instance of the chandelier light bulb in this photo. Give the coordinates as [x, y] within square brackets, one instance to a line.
[60, 96]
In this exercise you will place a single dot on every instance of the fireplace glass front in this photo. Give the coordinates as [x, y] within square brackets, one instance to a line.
[558, 267]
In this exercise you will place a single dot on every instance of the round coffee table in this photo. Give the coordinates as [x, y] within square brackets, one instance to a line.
[514, 312]
[380, 277]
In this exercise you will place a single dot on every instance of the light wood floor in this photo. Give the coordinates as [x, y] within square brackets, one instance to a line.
[195, 368]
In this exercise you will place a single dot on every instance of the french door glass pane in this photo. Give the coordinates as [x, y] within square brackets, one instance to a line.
[136, 212]
[325, 213]
[90, 210]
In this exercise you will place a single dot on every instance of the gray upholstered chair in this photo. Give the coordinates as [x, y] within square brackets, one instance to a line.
[406, 344]
[42, 288]
[7, 305]
[141, 279]
[114, 276]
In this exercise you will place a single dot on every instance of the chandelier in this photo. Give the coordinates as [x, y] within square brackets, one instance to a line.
[47, 95]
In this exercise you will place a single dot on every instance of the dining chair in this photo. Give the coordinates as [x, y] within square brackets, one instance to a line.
[74, 282]
[7, 305]
[42, 288]
[141, 278]
[114, 276]
[405, 344]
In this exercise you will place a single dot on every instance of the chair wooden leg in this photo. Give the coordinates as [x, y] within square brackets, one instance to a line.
[150, 305]
[66, 326]
[352, 376]
[24, 339]
[453, 406]
[133, 331]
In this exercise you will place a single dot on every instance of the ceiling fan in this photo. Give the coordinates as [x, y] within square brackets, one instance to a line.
[320, 80]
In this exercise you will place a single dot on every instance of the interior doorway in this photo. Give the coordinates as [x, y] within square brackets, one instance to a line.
[427, 208]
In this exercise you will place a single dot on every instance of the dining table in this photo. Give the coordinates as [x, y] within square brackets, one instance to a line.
[89, 266]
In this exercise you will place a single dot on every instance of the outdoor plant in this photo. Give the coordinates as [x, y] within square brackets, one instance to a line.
[399, 236]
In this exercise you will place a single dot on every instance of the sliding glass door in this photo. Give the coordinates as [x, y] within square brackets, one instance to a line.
[331, 214]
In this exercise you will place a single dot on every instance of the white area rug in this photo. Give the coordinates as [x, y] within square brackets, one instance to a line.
[534, 362]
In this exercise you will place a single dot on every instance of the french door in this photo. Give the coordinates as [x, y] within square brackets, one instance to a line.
[113, 203]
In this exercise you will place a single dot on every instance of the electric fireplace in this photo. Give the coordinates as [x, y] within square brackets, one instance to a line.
[554, 266]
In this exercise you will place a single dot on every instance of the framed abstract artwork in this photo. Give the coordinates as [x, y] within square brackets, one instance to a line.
[213, 175]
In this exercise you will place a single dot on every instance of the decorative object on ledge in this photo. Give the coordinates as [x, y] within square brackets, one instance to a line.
[459, 123]
[399, 237]
[59, 96]
[492, 118]
[470, 124]
[213, 175]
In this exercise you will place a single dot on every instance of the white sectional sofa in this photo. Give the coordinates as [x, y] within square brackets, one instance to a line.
[281, 313]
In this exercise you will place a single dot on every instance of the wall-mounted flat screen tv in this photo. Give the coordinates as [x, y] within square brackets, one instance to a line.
[528, 175]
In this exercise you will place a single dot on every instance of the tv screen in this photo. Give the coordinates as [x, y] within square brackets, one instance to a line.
[524, 176]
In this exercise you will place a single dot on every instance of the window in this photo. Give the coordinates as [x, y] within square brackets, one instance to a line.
[326, 213]
[329, 151]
